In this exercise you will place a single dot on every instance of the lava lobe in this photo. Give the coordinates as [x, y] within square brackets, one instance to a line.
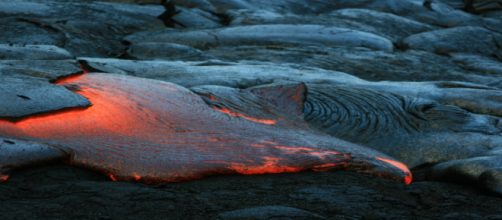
[152, 131]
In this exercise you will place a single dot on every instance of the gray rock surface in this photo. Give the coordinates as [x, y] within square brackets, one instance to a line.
[32, 52]
[269, 35]
[458, 39]
[48, 69]
[16, 154]
[417, 79]
[473, 97]
[22, 96]
[67, 24]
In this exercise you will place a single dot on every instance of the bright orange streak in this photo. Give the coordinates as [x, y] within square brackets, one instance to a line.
[270, 165]
[319, 153]
[112, 177]
[136, 177]
[408, 178]
[106, 112]
[249, 118]
[325, 161]
[69, 79]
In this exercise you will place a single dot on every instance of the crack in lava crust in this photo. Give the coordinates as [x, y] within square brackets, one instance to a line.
[151, 131]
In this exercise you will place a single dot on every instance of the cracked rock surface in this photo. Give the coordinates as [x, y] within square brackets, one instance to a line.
[419, 80]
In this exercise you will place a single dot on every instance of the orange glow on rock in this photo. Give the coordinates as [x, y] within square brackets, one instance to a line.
[152, 131]
[408, 178]
[270, 165]
[249, 118]
[112, 177]
[136, 177]
[68, 79]
[325, 160]
[4, 178]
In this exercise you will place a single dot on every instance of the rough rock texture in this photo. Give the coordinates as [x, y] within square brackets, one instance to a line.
[277, 35]
[23, 96]
[151, 131]
[458, 39]
[81, 27]
[32, 52]
[391, 123]
[419, 80]
[57, 192]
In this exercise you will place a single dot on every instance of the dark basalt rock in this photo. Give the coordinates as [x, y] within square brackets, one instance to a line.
[480, 64]
[22, 96]
[69, 192]
[41, 22]
[195, 18]
[166, 51]
[281, 34]
[402, 27]
[17, 153]
[305, 72]
[269, 212]
[48, 69]
[417, 131]
[492, 179]
[475, 6]
[472, 97]
[458, 39]
[357, 19]
[182, 145]
[483, 171]
[436, 13]
[368, 64]
[33, 52]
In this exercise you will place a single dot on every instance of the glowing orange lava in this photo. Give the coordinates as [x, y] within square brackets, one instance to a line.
[408, 178]
[112, 177]
[270, 165]
[136, 177]
[4, 178]
[249, 118]
[151, 131]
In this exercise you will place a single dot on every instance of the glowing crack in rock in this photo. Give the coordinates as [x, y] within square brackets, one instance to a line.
[249, 118]
[408, 178]
[151, 131]
[4, 178]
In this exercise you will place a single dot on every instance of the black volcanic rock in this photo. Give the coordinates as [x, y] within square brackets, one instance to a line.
[415, 130]
[83, 28]
[269, 212]
[66, 192]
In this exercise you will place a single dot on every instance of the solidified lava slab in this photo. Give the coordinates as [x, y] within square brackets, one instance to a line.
[21, 96]
[151, 131]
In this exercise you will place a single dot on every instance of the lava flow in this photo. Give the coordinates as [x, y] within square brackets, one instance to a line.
[408, 178]
[249, 118]
[151, 131]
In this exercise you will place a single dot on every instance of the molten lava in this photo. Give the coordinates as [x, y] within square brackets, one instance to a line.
[249, 118]
[408, 178]
[4, 178]
[151, 131]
